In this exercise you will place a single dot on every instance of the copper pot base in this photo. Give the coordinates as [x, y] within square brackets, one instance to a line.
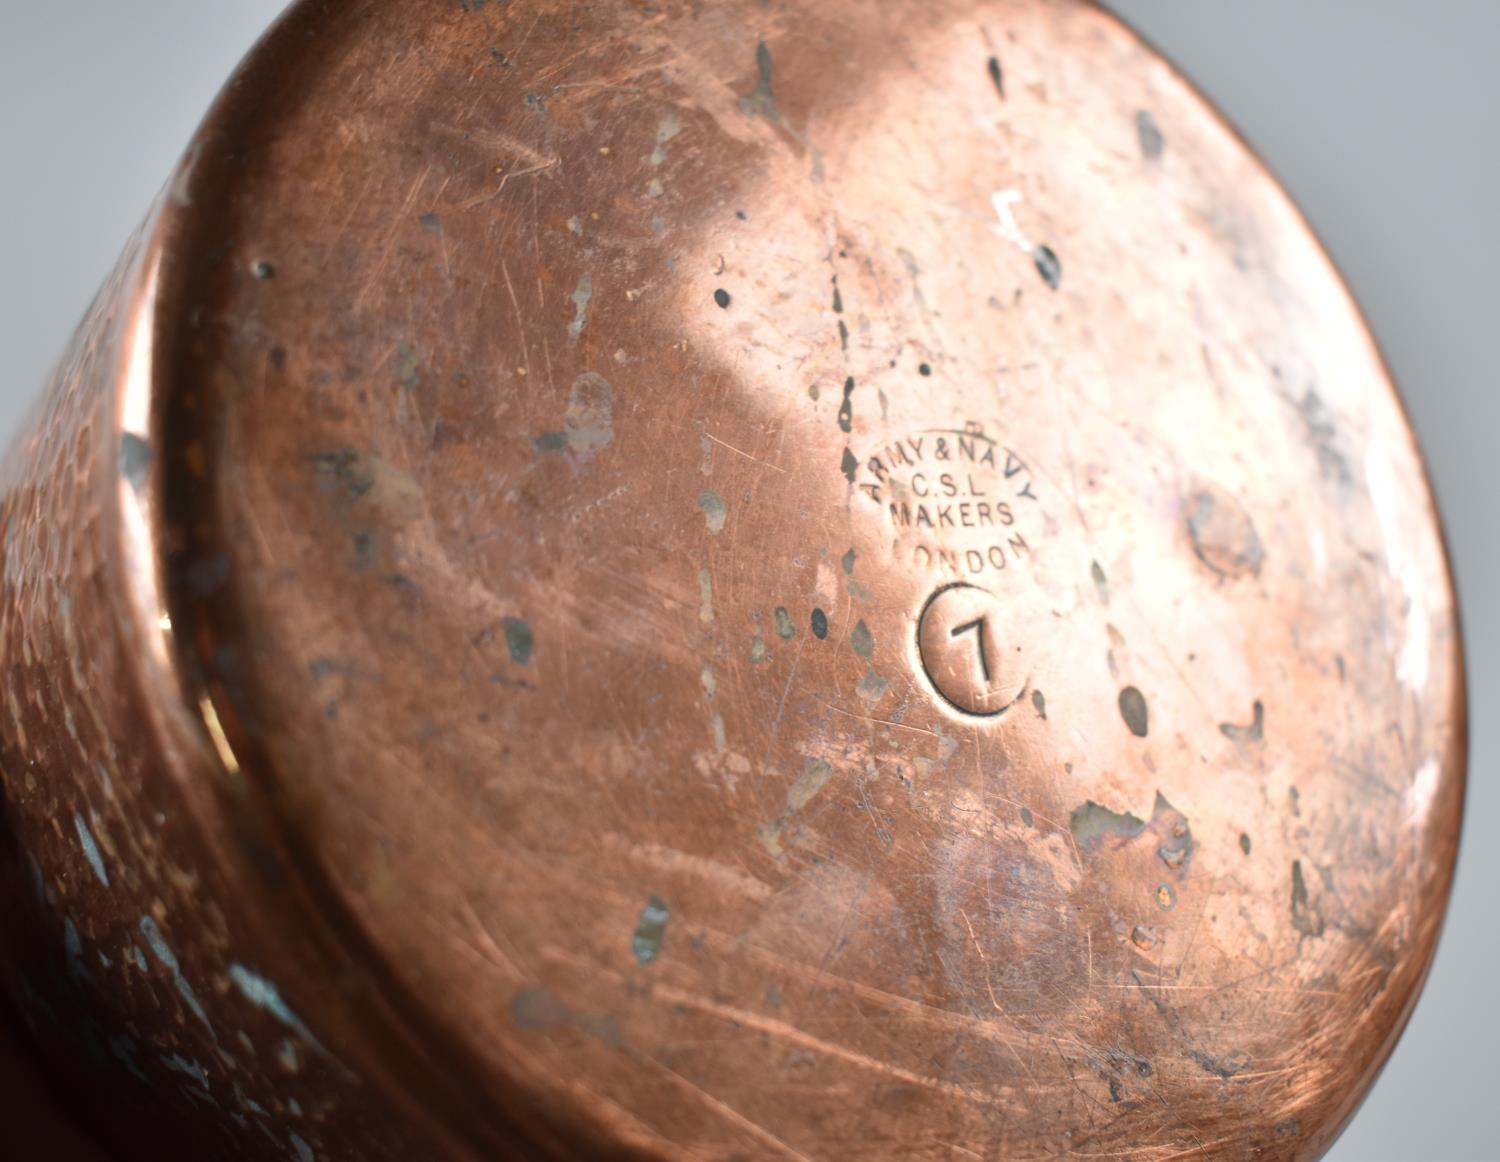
[697, 582]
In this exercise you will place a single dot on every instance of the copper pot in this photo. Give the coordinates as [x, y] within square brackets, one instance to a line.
[705, 581]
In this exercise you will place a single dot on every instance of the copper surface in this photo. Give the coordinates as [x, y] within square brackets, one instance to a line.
[722, 580]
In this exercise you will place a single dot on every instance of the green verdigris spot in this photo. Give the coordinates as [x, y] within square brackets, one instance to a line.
[715, 511]
[536, 1009]
[581, 298]
[872, 688]
[519, 640]
[815, 774]
[1093, 826]
[786, 629]
[706, 592]
[650, 931]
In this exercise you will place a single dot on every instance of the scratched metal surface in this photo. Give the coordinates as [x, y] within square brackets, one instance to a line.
[363, 513]
[585, 427]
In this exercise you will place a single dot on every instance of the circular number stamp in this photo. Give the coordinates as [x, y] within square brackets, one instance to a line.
[960, 642]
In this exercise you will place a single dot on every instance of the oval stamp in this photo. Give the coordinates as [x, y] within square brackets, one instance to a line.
[957, 501]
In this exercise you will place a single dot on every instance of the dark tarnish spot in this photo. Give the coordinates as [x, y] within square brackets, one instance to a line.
[1253, 733]
[862, 640]
[650, 931]
[550, 442]
[602, 1027]
[1039, 700]
[1048, 265]
[1133, 711]
[536, 1008]
[1245, 842]
[848, 562]
[589, 423]
[1305, 918]
[766, 68]
[721, 296]
[519, 640]
[1224, 536]
[408, 368]
[345, 469]
[430, 221]
[846, 409]
[1223, 1067]
[762, 103]
[1324, 434]
[786, 629]
[1161, 1007]
[1142, 1067]
[997, 76]
[924, 369]
[1101, 582]
[1152, 142]
[849, 465]
[1097, 829]
[819, 624]
[364, 549]
[1175, 846]
[321, 668]
[135, 460]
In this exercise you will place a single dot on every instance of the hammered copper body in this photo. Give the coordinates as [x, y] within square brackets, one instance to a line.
[722, 581]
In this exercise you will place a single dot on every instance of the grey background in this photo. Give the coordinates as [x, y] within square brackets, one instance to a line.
[1383, 119]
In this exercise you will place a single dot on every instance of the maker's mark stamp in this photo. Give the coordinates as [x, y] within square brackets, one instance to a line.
[957, 501]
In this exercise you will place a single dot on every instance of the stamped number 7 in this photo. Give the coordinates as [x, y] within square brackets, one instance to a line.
[984, 661]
